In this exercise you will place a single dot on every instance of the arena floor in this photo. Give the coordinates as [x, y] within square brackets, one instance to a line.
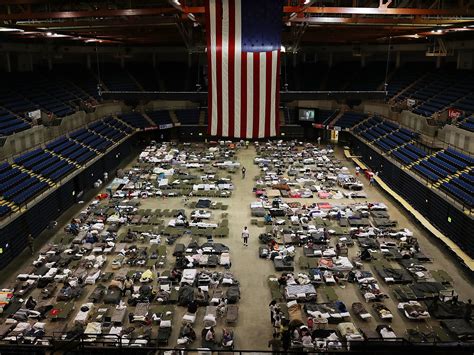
[253, 329]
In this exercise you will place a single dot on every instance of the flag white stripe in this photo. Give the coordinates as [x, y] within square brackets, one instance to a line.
[213, 118]
[225, 68]
[237, 70]
[263, 94]
[249, 94]
[274, 114]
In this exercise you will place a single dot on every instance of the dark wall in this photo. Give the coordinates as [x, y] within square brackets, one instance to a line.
[450, 220]
[13, 237]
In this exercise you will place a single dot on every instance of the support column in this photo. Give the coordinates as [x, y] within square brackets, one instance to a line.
[122, 62]
[190, 60]
[294, 60]
[438, 62]
[153, 58]
[362, 61]
[331, 59]
[50, 63]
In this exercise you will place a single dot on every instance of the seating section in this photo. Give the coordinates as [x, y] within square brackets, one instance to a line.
[112, 122]
[448, 169]
[118, 79]
[105, 130]
[10, 123]
[462, 190]
[466, 104]
[91, 139]
[71, 150]
[4, 210]
[34, 171]
[135, 119]
[188, 116]
[405, 76]
[160, 117]
[17, 186]
[45, 164]
[350, 119]
[468, 123]
[439, 90]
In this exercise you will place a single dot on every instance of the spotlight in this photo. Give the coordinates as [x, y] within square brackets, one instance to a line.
[49, 34]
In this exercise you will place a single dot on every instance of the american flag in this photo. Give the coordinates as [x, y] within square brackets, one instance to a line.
[243, 51]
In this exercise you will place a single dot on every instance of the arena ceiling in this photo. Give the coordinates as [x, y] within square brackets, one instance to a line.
[181, 22]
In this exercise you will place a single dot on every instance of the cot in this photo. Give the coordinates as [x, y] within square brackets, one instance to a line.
[275, 289]
[231, 313]
[61, 310]
[233, 294]
[113, 295]
[5, 328]
[84, 313]
[300, 292]
[188, 276]
[118, 316]
[141, 311]
[210, 317]
[295, 313]
[281, 264]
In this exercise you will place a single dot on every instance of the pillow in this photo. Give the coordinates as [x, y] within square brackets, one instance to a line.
[165, 324]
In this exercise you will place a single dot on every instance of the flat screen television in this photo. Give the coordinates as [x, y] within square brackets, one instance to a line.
[306, 115]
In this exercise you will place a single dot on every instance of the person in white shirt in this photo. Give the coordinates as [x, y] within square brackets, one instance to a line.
[245, 236]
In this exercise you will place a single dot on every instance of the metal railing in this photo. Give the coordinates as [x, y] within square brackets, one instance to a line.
[101, 343]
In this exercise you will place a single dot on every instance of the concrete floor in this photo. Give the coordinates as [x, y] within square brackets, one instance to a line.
[253, 329]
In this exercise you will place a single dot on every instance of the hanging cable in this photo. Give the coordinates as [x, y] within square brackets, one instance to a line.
[388, 63]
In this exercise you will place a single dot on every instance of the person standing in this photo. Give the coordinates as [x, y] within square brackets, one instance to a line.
[286, 340]
[243, 172]
[275, 344]
[319, 140]
[245, 236]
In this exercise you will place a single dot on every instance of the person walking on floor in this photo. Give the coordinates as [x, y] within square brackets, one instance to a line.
[243, 172]
[245, 236]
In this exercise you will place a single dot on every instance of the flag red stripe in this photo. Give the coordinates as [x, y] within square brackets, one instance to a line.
[231, 80]
[277, 98]
[268, 92]
[243, 96]
[256, 93]
[209, 70]
[219, 65]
